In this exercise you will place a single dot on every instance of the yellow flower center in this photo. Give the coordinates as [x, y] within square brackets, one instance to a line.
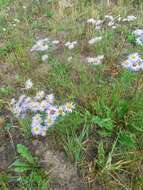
[60, 111]
[69, 106]
[133, 57]
[36, 129]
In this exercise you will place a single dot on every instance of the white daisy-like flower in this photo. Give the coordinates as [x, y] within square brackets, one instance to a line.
[94, 21]
[13, 101]
[37, 117]
[17, 111]
[139, 41]
[28, 84]
[16, 20]
[34, 106]
[111, 23]
[119, 18]
[114, 27]
[41, 45]
[69, 59]
[49, 121]
[98, 27]
[95, 60]
[44, 105]
[125, 20]
[139, 36]
[45, 58]
[36, 130]
[133, 63]
[138, 32]
[110, 17]
[129, 18]
[70, 45]
[36, 120]
[67, 43]
[55, 42]
[43, 131]
[4, 29]
[61, 111]
[39, 95]
[90, 59]
[126, 64]
[134, 57]
[135, 66]
[52, 111]
[95, 40]
[21, 98]
[91, 21]
[69, 106]
[50, 98]
[98, 22]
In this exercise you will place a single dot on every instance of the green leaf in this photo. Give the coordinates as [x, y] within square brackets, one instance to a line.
[131, 38]
[24, 152]
[101, 154]
[104, 133]
[49, 13]
[106, 123]
[6, 91]
[126, 139]
[122, 108]
[19, 166]
[110, 35]
[37, 178]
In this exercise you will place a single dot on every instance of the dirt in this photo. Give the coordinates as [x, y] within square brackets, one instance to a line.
[7, 155]
[7, 147]
[63, 174]
[7, 74]
[41, 71]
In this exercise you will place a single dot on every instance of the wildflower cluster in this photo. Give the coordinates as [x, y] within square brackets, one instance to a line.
[43, 45]
[134, 62]
[14, 22]
[110, 21]
[42, 109]
[95, 60]
[70, 45]
[139, 36]
[97, 23]
[129, 18]
[28, 84]
[95, 40]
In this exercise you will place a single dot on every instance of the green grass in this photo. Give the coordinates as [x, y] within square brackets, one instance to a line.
[4, 2]
[103, 136]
